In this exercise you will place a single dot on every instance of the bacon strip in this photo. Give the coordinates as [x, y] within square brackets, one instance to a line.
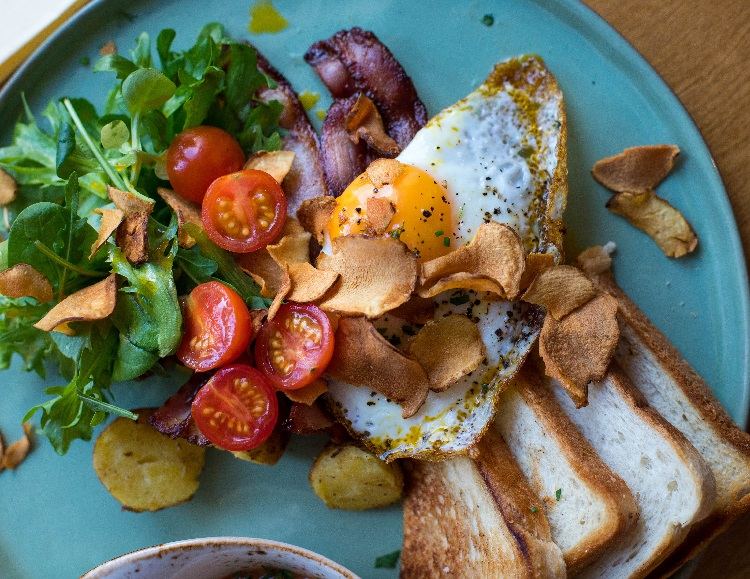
[306, 179]
[354, 61]
[174, 418]
[343, 160]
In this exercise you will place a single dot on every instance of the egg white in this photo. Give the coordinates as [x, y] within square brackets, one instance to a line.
[498, 153]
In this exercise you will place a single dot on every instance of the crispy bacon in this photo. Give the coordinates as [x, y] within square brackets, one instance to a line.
[355, 60]
[343, 160]
[306, 179]
[174, 419]
[304, 419]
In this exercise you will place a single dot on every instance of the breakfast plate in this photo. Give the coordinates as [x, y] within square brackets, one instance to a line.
[58, 520]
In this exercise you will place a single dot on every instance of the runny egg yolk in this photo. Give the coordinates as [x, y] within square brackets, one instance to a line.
[423, 217]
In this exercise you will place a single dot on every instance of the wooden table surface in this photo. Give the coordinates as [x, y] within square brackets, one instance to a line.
[702, 50]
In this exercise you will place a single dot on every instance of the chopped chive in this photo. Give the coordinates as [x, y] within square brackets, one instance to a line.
[534, 508]
[447, 241]
[558, 494]
[439, 232]
[488, 20]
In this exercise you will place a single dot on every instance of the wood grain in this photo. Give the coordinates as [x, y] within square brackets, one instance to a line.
[702, 49]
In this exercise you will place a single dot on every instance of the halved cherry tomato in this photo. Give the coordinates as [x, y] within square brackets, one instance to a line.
[217, 328]
[295, 347]
[198, 156]
[237, 409]
[244, 211]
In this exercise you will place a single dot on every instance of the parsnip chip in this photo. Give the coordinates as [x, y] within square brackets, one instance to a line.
[378, 274]
[315, 213]
[493, 261]
[8, 189]
[22, 280]
[536, 263]
[417, 310]
[17, 452]
[380, 211]
[263, 269]
[362, 357]
[636, 169]
[596, 259]
[95, 302]
[111, 219]
[292, 248]
[275, 163]
[448, 349]
[284, 289]
[132, 234]
[186, 212]
[364, 122]
[383, 171]
[560, 290]
[257, 317]
[308, 283]
[578, 348]
[308, 394]
[658, 219]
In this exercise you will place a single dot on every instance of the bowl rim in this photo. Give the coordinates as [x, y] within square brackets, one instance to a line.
[162, 549]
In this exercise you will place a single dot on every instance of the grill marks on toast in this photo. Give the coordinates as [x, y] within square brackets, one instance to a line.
[673, 485]
[476, 519]
[595, 505]
[676, 391]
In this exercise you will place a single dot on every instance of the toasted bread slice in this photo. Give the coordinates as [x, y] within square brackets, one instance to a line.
[476, 518]
[588, 505]
[673, 486]
[674, 389]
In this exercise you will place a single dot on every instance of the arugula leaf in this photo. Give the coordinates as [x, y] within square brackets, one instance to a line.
[18, 335]
[227, 269]
[147, 313]
[388, 561]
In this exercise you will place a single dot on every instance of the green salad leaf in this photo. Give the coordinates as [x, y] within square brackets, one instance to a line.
[63, 165]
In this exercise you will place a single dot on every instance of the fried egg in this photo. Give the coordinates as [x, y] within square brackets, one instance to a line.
[497, 155]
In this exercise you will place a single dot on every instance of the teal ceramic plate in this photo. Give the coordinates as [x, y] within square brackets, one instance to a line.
[56, 519]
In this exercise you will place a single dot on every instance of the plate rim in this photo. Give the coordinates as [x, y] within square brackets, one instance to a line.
[622, 49]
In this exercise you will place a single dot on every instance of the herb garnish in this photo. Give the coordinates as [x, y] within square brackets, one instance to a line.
[388, 561]
[558, 494]
[488, 20]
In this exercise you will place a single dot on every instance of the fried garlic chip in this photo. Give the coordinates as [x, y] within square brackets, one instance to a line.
[315, 213]
[448, 349]
[282, 293]
[636, 169]
[95, 302]
[383, 171]
[186, 212]
[578, 348]
[536, 263]
[362, 357]
[110, 221]
[8, 189]
[560, 290]
[378, 274]
[380, 211]
[309, 284]
[17, 452]
[132, 234]
[22, 280]
[308, 394]
[596, 259]
[658, 219]
[493, 262]
[276, 163]
[364, 122]
[417, 310]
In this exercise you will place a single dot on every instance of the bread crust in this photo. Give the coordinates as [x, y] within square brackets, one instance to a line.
[701, 472]
[502, 536]
[736, 501]
[620, 503]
